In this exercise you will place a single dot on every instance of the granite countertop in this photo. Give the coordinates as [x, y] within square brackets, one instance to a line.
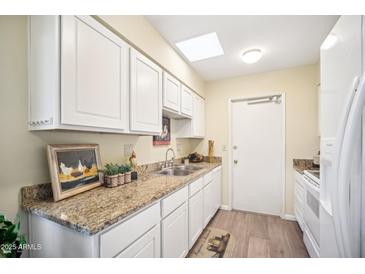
[92, 211]
[303, 164]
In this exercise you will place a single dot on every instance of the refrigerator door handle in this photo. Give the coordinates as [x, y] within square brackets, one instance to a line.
[338, 149]
[351, 131]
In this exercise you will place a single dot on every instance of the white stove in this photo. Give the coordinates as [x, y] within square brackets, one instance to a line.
[313, 175]
[311, 212]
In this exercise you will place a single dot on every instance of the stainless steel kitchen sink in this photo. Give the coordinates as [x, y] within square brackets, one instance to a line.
[187, 167]
[179, 170]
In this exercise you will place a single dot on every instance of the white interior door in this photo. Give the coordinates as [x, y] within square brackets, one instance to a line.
[257, 156]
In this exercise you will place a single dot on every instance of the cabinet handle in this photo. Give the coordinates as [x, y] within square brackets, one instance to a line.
[235, 161]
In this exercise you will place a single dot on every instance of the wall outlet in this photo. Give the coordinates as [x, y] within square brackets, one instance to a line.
[178, 147]
[128, 149]
[224, 148]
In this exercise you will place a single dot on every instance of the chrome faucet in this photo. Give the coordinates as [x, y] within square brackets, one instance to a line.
[173, 157]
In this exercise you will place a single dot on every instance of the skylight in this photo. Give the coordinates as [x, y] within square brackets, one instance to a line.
[201, 47]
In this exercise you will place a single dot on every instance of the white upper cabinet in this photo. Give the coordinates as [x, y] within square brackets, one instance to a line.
[83, 76]
[78, 75]
[196, 116]
[186, 101]
[94, 74]
[202, 117]
[171, 93]
[145, 94]
[177, 98]
[194, 128]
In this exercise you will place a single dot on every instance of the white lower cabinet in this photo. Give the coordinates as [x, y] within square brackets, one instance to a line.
[168, 228]
[208, 198]
[115, 240]
[148, 246]
[175, 233]
[195, 217]
[217, 188]
[299, 199]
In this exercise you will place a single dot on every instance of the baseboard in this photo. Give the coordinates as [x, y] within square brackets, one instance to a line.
[289, 217]
[225, 207]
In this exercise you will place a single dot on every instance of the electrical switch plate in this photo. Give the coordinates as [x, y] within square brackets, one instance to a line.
[178, 147]
[224, 148]
[128, 149]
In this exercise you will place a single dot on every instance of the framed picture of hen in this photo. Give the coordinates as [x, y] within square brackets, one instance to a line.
[74, 169]
[165, 136]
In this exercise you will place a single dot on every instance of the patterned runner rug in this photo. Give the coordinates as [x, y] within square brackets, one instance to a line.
[213, 243]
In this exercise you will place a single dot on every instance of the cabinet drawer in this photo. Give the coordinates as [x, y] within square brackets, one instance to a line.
[194, 187]
[208, 178]
[172, 202]
[119, 237]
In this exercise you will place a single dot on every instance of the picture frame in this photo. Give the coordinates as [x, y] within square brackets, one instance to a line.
[164, 138]
[73, 169]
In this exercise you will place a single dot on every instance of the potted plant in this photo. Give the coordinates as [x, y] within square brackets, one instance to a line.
[128, 173]
[11, 241]
[121, 178]
[111, 172]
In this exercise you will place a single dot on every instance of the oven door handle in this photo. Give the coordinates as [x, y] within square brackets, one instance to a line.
[311, 186]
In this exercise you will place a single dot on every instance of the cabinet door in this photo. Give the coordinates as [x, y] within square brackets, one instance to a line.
[148, 246]
[201, 117]
[196, 116]
[171, 92]
[208, 200]
[94, 74]
[175, 229]
[196, 217]
[145, 94]
[198, 126]
[217, 191]
[186, 101]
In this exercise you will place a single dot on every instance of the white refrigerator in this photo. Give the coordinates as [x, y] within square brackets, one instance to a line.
[342, 100]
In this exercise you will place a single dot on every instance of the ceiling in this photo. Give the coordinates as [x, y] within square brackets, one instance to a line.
[286, 41]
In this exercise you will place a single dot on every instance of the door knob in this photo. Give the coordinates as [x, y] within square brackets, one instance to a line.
[235, 161]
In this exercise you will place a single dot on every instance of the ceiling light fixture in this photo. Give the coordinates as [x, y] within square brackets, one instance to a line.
[330, 41]
[251, 56]
[201, 47]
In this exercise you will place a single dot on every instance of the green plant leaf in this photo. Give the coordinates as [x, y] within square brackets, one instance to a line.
[8, 223]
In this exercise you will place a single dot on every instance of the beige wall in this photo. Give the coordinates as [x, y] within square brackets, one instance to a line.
[139, 31]
[300, 87]
[22, 153]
